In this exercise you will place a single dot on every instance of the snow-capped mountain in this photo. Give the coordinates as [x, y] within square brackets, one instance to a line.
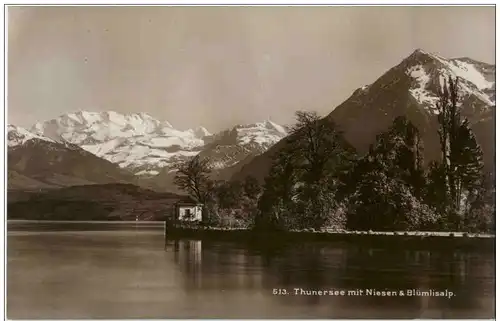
[264, 134]
[227, 151]
[229, 147]
[411, 89]
[430, 71]
[147, 146]
[137, 142]
[87, 128]
[36, 161]
[17, 136]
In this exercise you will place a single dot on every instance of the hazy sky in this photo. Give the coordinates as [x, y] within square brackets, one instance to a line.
[219, 66]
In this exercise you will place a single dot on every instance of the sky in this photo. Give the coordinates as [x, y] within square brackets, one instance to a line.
[220, 66]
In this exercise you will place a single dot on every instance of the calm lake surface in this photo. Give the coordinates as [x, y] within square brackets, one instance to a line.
[124, 270]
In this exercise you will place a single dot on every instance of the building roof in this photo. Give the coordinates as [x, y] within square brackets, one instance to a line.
[186, 199]
[187, 204]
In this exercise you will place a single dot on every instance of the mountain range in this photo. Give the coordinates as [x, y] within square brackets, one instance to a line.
[83, 148]
[138, 143]
[133, 148]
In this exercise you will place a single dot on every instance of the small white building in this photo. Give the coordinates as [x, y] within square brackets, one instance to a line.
[188, 210]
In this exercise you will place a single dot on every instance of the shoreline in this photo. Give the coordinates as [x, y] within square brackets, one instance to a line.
[86, 222]
[343, 232]
[425, 234]
[397, 239]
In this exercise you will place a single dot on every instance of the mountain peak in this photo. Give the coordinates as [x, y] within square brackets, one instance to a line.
[264, 133]
[18, 136]
[418, 52]
[411, 89]
[144, 115]
[422, 56]
[201, 132]
[273, 126]
[427, 73]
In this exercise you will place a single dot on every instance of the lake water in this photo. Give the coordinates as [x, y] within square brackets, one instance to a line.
[124, 270]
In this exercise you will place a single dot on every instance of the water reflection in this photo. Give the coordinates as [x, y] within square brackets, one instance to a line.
[129, 272]
[188, 254]
[317, 266]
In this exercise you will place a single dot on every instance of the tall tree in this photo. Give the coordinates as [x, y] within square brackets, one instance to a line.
[321, 153]
[299, 190]
[401, 149]
[193, 177]
[481, 217]
[317, 144]
[461, 156]
[276, 202]
[386, 187]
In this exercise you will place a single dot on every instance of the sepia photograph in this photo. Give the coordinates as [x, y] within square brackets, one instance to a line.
[250, 162]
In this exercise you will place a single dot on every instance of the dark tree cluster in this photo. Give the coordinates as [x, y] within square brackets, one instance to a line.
[317, 181]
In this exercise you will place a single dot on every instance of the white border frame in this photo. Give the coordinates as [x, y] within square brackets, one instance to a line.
[3, 117]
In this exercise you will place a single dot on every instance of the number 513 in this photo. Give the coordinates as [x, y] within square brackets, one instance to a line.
[280, 292]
